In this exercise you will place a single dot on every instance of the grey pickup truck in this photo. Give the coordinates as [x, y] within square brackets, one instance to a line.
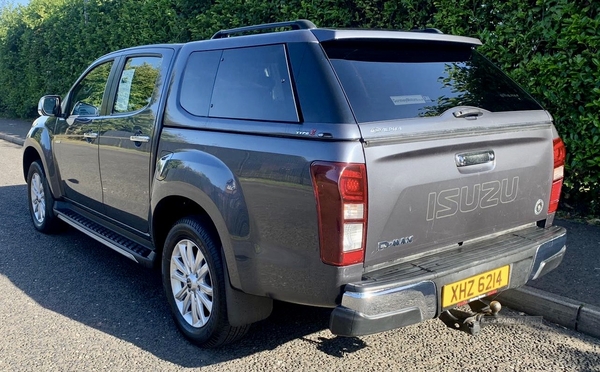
[390, 176]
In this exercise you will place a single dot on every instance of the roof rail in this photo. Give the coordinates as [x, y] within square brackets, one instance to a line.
[299, 24]
[429, 30]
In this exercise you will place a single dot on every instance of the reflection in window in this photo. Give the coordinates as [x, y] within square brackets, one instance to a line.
[391, 80]
[137, 84]
[87, 95]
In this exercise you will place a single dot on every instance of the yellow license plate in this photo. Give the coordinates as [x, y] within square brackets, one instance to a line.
[477, 286]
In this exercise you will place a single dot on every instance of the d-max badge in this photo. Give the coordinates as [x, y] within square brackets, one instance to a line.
[393, 243]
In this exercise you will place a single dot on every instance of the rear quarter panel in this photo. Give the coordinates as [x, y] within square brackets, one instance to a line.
[256, 176]
[259, 190]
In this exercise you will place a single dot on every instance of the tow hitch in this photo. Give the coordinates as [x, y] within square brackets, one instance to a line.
[470, 321]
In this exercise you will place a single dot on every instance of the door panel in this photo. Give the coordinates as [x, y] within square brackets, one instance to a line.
[76, 139]
[126, 139]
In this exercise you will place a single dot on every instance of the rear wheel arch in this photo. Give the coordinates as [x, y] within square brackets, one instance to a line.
[242, 308]
[173, 208]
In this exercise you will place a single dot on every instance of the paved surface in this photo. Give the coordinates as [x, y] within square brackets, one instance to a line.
[578, 276]
[14, 130]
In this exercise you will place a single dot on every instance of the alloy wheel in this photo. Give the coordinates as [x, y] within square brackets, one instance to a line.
[38, 200]
[191, 283]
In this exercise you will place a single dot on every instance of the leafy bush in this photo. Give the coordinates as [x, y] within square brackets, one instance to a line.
[551, 47]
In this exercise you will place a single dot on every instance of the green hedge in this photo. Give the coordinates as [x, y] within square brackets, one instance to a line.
[551, 47]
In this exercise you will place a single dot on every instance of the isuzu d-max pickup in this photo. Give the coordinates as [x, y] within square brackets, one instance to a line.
[391, 176]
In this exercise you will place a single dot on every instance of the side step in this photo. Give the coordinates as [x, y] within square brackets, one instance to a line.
[111, 239]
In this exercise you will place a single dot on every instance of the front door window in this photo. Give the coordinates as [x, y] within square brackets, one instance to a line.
[86, 99]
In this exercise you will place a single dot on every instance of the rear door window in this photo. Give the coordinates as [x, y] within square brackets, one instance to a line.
[407, 79]
[137, 83]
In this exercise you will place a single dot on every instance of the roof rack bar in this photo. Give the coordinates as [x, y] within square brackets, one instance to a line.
[429, 30]
[299, 24]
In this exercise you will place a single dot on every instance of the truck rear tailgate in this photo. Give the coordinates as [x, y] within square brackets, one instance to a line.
[435, 188]
[454, 149]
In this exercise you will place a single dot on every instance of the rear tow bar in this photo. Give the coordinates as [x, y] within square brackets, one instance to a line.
[470, 321]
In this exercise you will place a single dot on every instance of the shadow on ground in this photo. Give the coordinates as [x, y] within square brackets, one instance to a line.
[77, 277]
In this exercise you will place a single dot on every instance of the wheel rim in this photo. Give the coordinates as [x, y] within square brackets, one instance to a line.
[38, 201]
[191, 283]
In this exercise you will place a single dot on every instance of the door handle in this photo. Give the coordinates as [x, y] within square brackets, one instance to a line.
[91, 135]
[139, 138]
[475, 162]
[474, 158]
[82, 120]
[467, 113]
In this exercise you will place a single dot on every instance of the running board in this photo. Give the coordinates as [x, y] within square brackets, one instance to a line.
[111, 239]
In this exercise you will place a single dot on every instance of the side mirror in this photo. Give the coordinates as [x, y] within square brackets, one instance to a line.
[49, 106]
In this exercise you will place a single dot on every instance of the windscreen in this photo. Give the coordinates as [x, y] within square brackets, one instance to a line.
[389, 80]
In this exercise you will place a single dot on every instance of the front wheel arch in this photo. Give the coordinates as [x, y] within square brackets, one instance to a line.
[29, 156]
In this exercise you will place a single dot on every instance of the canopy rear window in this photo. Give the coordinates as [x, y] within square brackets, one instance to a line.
[389, 80]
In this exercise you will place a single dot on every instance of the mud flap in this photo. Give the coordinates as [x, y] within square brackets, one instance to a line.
[243, 308]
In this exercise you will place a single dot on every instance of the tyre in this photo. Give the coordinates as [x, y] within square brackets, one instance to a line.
[194, 282]
[41, 200]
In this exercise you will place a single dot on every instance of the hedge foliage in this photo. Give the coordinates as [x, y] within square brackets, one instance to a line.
[551, 47]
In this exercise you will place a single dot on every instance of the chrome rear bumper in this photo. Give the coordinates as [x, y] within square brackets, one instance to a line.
[411, 292]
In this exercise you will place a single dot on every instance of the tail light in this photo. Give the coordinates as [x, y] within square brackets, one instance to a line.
[341, 194]
[558, 174]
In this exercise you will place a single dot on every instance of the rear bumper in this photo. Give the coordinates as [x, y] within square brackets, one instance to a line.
[411, 292]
